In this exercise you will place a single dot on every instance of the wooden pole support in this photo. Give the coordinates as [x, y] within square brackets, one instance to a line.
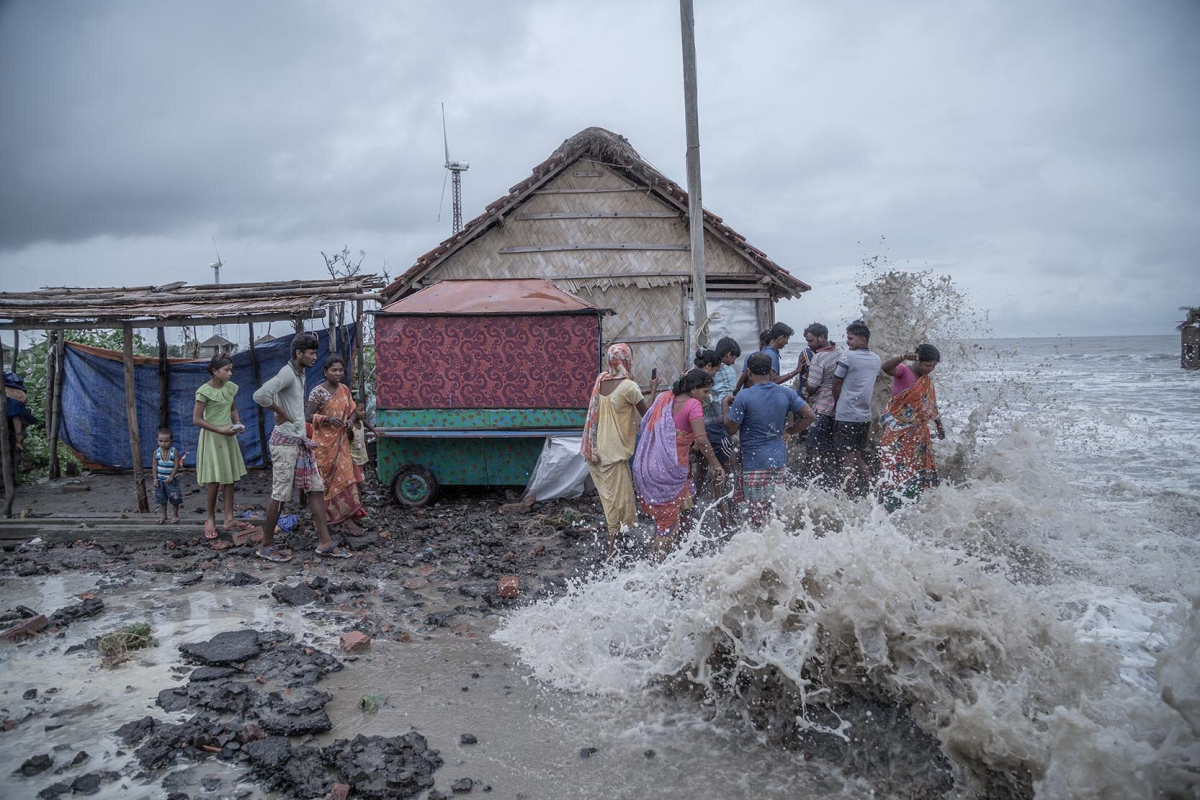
[164, 397]
[687, 24]
[358, 354]
[258, 410]
[6, 465]
[135, 440]
[16, 348]
[60, 375]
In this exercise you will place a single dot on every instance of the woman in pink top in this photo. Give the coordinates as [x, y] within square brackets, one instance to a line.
[662, 463]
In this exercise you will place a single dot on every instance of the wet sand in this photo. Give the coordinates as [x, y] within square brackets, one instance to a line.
[423, 586]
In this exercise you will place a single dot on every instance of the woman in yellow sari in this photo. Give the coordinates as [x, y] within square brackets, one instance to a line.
[331, 412]
[906, 450]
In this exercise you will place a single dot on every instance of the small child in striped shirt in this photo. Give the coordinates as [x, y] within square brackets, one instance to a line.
[167, 461]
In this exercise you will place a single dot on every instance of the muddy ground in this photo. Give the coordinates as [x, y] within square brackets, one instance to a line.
[237, 697]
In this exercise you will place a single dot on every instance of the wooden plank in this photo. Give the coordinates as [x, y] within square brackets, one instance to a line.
[601, 215]
[644, 339]
[597, 190]
[586, 173]
[116, 323]
[60, 346]
[551, 248]
[164, 400]
[135, 440]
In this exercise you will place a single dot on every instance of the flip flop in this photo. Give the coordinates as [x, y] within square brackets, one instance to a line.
[333, 551]
[210, 530]
[175, 521]
[274, 553]
[238, 525]
[160, 522]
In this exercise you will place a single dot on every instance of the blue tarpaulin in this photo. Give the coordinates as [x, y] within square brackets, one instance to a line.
[93, 400]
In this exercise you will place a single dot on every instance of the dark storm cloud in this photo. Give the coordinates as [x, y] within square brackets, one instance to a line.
[1044, 154]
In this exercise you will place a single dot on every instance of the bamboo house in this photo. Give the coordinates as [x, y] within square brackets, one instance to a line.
[602, 223]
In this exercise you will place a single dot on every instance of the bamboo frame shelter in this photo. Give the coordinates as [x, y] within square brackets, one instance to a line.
[174, 305]
[601, 222]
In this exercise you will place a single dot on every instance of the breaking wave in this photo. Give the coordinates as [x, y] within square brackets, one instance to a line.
[1004, 637]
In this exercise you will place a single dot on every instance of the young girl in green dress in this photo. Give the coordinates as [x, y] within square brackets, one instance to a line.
[218, 457]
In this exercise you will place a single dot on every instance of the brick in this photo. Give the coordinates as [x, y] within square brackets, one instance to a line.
[26, 627]
[242, 538]
[355, 642]
[510, 586]
[340, 791]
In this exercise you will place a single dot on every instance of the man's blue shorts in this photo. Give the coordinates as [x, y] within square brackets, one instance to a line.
[820, 433]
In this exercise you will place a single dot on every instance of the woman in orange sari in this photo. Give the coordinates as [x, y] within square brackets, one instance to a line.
[906, 450]
[331, 412]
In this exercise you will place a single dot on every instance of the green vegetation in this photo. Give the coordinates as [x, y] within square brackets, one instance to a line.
[31, 366]
[115, 647]
[1192, 318]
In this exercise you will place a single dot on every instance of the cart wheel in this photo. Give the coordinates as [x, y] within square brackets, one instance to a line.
[414, 486]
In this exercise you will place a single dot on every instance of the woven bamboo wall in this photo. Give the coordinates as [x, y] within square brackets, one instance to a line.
[643, 286]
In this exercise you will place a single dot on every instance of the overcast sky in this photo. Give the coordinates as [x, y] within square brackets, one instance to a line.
[1045, 154]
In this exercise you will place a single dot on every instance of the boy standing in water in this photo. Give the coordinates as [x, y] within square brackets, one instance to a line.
[292, 463]
[853, 384]
[818, 388]
[760, 413]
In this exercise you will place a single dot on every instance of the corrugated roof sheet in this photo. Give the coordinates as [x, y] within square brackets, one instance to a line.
[507, 296]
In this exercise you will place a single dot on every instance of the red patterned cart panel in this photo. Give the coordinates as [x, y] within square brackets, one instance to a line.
[486, 361]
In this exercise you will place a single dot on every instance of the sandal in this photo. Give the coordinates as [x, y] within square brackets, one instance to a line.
[237, 526]
[210, 530]
[333, 551]
[274, 553]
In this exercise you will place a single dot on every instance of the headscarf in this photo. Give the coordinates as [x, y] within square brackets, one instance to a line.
[618, 362]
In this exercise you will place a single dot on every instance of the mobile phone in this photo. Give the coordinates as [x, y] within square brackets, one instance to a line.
[654, 373]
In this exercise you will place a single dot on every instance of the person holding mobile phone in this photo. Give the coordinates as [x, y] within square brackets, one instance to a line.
[219, 463]
[331, 411]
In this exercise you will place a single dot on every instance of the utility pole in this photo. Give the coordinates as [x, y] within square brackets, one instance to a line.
[687, 23]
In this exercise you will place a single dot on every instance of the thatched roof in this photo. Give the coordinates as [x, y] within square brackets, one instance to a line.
[615, 151]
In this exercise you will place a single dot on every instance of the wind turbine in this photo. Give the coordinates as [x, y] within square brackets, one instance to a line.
[456, 169]
[219, 330]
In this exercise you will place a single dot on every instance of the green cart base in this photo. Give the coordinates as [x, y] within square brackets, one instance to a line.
[420, 450]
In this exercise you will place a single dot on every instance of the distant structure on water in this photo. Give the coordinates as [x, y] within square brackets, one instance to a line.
[1189, 335]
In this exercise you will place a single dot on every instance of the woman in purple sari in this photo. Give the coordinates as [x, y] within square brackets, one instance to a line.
[661, 464]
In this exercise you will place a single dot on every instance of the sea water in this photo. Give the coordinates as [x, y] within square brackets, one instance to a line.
[1029, 628]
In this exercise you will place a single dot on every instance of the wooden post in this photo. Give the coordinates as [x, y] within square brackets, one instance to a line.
[60, 374]
[6, 465]
[164, 398]
[258, 410]
[16, 348]
[695, 206]
[358, 354]
[335, 335]
[298, 324]
[48, 401]
[135, 441]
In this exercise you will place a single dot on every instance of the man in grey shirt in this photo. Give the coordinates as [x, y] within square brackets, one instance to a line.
[853, 384]
[292, 463]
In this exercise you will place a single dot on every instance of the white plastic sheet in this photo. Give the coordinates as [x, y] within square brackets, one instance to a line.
[560, 471]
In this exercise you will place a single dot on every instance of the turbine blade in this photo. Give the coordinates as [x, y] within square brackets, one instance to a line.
[442, 202]
[214, 241]
[445, 139]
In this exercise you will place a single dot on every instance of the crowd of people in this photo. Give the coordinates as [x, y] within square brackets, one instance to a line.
[714, 426]
[650, 451]
[317, 449]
